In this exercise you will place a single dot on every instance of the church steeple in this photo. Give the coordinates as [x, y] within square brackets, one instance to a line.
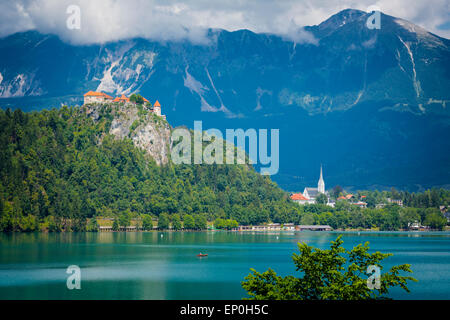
[321, 183]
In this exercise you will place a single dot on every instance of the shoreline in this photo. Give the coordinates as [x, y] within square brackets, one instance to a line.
[237, 231]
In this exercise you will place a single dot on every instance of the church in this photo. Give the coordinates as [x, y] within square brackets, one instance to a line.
[310, 194]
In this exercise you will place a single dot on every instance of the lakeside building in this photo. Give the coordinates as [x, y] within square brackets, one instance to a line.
[414, 225]
[313, 228]
[268, 227]
[110, 228]
[285, 227]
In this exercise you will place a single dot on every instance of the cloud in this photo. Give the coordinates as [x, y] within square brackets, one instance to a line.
[110, 20]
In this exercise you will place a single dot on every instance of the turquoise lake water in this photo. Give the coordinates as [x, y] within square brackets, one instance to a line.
[164, 265]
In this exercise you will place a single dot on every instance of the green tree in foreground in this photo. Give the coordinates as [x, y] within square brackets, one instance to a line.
[330, 274]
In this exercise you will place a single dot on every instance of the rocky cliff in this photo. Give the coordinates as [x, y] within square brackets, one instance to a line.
[147, 131]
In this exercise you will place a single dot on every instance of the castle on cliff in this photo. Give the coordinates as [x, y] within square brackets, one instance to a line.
[100, 97]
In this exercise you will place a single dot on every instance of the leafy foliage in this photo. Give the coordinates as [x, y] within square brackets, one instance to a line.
[330, 274]
[59, 168]
[163, 221]
[147, 223]
[62, 164]
[227, 224]
[137, 98]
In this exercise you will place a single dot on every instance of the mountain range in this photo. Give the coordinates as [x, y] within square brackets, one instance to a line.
[370, 105]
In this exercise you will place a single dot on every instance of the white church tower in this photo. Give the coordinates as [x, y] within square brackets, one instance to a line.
[321, 183]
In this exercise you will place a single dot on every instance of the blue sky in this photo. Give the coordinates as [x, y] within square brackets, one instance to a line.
[108, 20]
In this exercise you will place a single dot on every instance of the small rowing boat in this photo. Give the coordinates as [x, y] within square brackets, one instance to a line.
[202, 255]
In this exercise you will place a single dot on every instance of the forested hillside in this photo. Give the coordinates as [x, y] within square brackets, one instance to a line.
[65, 165]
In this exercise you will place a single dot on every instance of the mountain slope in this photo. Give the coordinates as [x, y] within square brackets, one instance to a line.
[76, 163]
[392, 85]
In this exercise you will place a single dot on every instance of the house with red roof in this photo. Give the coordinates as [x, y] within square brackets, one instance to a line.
[301, 199]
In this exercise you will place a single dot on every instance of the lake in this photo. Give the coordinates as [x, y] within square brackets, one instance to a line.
[164, 265]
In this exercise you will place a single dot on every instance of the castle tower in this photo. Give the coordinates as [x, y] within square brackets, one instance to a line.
[321, 183]
[157, 108]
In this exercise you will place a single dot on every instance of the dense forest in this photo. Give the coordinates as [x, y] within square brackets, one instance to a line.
[53, 169]
[59, 169]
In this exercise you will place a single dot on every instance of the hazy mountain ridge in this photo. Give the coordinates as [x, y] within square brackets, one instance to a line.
[243, 79]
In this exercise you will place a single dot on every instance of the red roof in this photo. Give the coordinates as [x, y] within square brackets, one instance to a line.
[97, 94]
[298, 196]
[156, 104]
[121, 98]
[92, 94]
[342, 198]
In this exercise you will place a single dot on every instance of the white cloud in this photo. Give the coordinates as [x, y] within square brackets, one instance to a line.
[109, 20]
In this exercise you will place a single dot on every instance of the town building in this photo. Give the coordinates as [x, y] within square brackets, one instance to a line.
[395, 201]
[284, 227]
[414, 225]
[360, 204]
[313, 228]
[301, 199]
